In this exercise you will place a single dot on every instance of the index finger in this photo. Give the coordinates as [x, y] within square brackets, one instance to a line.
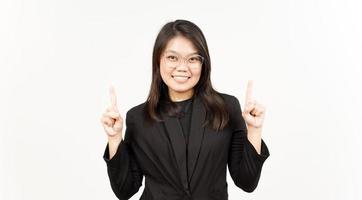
[249, 92]
[113, 95]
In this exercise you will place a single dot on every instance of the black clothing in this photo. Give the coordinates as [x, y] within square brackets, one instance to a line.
[184, 116]
[158, 153]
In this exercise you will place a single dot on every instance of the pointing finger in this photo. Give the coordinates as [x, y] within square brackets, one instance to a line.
[249, 91]
[113, 96]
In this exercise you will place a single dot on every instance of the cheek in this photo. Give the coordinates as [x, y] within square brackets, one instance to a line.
[196, 75]
[165, 74]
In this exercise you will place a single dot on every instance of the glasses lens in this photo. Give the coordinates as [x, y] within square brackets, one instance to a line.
[195, 61]
[173, 60]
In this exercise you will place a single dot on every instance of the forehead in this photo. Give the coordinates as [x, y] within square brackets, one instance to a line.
[180, 45]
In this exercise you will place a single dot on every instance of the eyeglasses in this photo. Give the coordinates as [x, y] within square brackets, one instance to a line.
[173, 60]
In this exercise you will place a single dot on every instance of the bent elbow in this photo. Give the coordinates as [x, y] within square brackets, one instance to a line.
[247, 184]
[247, 187]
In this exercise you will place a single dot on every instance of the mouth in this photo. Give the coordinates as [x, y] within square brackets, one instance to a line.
[180, 78]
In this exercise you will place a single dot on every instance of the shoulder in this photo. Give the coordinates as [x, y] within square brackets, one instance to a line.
[137, 110]
[235, 111]
[229, 99]
[232, 105]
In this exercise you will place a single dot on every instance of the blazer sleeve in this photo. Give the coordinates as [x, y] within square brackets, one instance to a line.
[124, 172]
[244, 162]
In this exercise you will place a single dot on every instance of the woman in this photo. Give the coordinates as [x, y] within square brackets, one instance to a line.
[186, 133]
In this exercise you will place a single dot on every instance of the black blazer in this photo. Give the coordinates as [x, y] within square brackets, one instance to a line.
[159, 153]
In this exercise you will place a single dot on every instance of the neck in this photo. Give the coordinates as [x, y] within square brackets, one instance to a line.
[176, 96]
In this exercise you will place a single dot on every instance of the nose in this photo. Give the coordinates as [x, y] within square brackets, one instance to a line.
[182, 66]
[181, 69]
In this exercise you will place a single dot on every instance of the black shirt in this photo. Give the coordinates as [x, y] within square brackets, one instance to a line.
[184, 116]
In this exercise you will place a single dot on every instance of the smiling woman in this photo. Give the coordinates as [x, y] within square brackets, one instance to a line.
[183, 137]
[181, 69]
[180, 77]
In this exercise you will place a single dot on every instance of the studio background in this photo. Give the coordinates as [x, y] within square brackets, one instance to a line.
[58, 59]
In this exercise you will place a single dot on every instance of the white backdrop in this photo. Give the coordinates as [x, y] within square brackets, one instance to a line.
[58, 58]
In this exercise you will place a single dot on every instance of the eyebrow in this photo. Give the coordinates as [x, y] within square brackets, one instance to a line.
[179, 53]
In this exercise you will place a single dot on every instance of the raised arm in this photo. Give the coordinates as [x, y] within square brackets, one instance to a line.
[125, 174]
[245, 158]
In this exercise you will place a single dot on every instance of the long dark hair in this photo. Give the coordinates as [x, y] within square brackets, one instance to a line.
[158, 98]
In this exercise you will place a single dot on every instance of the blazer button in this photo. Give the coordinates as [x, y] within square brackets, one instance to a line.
[188, 192]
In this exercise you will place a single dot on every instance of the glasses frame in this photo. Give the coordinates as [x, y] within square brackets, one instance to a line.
[182, 60]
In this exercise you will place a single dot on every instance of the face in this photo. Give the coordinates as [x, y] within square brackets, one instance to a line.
[180, 67]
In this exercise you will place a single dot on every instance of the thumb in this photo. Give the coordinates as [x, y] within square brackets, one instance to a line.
[249, 107]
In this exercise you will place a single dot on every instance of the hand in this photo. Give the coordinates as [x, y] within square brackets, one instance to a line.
[111, 119]
[253, 112]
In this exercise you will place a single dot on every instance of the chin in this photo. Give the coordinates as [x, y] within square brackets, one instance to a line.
[181, 89]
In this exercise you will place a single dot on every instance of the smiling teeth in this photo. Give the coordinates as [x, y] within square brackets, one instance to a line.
[181, 77]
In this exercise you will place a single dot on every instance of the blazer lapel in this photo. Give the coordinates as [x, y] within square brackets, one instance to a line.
[174, 130]
[196, 134]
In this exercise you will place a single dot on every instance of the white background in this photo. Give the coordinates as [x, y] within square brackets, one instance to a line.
[58, 58]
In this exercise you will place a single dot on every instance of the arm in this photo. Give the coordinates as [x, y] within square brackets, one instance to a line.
[244, 162]
[124, 172]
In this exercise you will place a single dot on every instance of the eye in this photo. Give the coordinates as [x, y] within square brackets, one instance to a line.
[171, 58]
[194, 59]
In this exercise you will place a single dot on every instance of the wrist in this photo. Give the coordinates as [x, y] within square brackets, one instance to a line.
[115, 139]
[254, 130]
